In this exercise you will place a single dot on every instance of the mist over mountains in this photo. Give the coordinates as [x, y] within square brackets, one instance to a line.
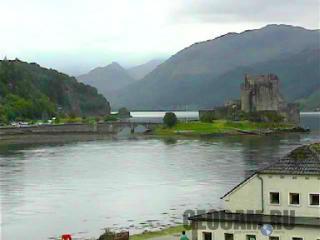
[140, 71]
[113, 77]
[206, 74]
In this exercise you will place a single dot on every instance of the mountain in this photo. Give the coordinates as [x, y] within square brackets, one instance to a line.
[207, 73]
[107, 79]
[30, 91]
[311, 102]
[140, 71]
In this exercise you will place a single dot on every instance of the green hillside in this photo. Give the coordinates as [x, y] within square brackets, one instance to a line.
[28, 91]
[208, 73]
[311, 103]
[299, 77]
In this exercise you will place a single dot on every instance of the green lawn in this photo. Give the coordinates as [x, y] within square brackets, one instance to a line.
[218, 127]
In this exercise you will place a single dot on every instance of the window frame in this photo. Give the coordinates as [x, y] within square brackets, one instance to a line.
[297, 237]
[274, 204]
[289, 198]
[229, 234]
[309, 199]
[275, 236]
[207, 232]
[251, 235]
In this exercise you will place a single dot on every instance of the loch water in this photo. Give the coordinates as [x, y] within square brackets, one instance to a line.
[81, 185]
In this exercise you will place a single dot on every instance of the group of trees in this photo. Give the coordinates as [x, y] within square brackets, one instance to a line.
[13, 108]
[28, 91]
[19, 99]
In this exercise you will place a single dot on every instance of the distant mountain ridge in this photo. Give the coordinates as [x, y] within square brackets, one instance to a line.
[113, 77]
[107, 79]
[206, 74]
[140, 71]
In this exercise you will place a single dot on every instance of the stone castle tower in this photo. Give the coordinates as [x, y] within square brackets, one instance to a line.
[262, 93]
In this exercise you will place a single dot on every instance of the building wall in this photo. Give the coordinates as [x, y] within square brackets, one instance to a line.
[267, 97]
[294, 184]
[291, 113]
[261, 93]
[240, 232]
[248, 195]
[245, 99]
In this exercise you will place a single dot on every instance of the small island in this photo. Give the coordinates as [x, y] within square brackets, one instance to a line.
[225, 128]
[261, 110]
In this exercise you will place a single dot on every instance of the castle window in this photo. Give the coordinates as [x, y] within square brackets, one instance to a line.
[228, 236]
[314, 199]
[294, 198]
[274, 198]
[207, 236]
[297, 238]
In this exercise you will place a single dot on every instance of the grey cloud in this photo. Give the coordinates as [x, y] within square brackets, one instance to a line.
[286, 11]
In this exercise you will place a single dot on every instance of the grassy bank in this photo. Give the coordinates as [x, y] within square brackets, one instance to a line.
[221, 127]
[164, 232]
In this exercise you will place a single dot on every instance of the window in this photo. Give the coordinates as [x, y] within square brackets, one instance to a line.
[251, 237]
[294, 198]
[207, 236]
[274, 238]
[228, 236]
[274, 198]
[297, 238]
[314, 199]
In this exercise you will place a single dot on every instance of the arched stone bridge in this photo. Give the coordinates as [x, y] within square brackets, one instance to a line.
[126, 127]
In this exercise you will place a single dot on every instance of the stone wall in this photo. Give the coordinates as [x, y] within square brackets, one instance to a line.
[261, 93]
[291, 113]
[74, 128]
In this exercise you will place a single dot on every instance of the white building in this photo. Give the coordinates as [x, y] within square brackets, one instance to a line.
[280, 202]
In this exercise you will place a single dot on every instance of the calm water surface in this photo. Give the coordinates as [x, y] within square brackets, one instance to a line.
[82, 187]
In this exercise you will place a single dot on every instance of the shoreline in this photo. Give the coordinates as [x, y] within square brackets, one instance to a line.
[224, 128]
[173, 231]
[159, 132]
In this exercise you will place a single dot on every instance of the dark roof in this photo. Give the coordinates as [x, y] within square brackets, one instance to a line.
[223, 216]
[304, 160]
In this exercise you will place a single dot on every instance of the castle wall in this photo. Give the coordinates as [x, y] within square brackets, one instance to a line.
[262, 93]
[266, 97]
[291, 113]
[245, 99]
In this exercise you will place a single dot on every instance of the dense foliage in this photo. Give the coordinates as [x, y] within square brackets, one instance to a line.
[123, 113]
[28, 91]
[207, 117]
[170, 119]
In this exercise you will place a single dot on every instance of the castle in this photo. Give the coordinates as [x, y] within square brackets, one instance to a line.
[260, 101]
[261, 93]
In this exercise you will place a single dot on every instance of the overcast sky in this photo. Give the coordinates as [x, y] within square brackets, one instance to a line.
[77, 35]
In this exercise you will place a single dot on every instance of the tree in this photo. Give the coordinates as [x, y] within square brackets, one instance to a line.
[124, 113]
[170, 119]
[207, 117]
